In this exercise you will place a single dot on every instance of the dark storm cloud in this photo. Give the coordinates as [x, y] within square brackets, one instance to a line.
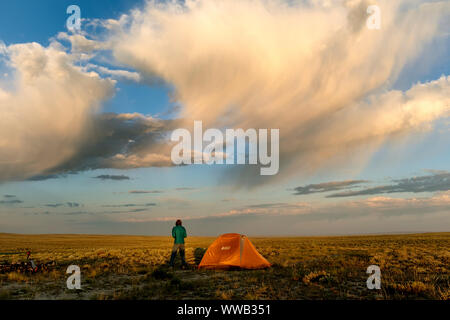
[67, 204]
[270, 205]
[137, 210]
[439, 181]
[327, 186]
[54, 205]
[112, 177]
[130, 205]
[145, 191]
[73, 204]
[127, 211]
[14, 201]
[118, 141]
[43, 177]
[37, 213]
[126, 135]
[76, 213]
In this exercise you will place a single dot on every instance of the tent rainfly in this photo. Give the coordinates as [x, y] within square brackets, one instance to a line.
[233, 250]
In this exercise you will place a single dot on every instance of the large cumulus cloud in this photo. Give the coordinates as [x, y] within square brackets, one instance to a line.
[44, 114]
[310, 68]
[51, 120]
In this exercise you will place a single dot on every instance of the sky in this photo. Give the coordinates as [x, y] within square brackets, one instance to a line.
[86, 116]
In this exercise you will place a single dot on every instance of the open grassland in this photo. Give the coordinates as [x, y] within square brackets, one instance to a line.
[135, 267]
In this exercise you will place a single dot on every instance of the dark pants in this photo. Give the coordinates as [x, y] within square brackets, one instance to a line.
[175, 249]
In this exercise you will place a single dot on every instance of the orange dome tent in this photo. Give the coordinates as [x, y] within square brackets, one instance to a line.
[233, 250]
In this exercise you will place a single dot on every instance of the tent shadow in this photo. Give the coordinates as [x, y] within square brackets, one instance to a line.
[198, 255]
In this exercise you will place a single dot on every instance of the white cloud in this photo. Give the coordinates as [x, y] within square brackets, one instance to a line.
[119, 74]
[317, 74]
[46, 116]
[405, 205]
[383, 207]
[312, 70]
[122, 161]
[81, 44]
[3, 49]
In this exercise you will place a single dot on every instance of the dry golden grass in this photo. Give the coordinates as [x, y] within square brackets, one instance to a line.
[135, 267]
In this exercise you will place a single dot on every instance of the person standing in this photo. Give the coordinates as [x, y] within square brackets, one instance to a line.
[178, 233]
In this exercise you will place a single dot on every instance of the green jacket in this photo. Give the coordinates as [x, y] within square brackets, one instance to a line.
[179, 233]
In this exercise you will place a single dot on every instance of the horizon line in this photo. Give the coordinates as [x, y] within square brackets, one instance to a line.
[399, 233]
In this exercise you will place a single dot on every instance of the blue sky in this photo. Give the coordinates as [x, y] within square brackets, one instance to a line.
[216, 199]
[27, 21]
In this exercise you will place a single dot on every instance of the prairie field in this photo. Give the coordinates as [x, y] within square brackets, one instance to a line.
[413, 266]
